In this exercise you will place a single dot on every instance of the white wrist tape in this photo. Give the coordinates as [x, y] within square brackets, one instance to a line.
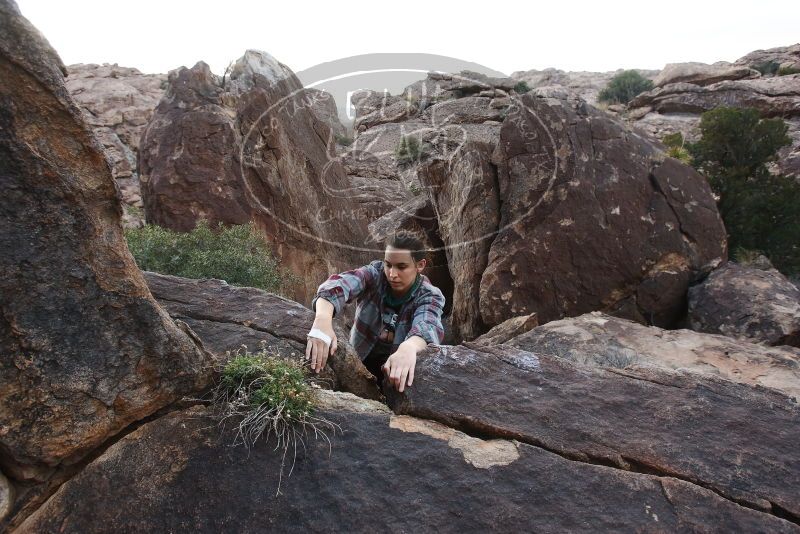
[319, 334]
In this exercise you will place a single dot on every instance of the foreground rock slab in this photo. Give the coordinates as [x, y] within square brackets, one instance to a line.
[227, 317]
[380, 472]
[601, 340]
[737, 440]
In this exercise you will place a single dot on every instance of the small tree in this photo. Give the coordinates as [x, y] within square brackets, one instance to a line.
[407, 150]
[624, 87]
[522, 87]
[759, 209]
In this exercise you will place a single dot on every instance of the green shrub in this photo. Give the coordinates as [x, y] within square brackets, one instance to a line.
[680, 153]
[785, 71]
[522, 87]
[270, 382]
[759, 209]
[236, 254]
[407, 150]
[737, 140]
[624, 87]
[767, 68]
[746, 256]
[673, 140]
[676, 147]
[343, 140]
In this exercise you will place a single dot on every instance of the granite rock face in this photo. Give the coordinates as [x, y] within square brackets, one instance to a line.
[750, 304]
[600, 340]
[177, 471]
[784, 56]
[227, 318]
[117, 103]
[702, 74]
[737, 440]
[593, 217]
[252, 148]
[85, 350]
[592, 212]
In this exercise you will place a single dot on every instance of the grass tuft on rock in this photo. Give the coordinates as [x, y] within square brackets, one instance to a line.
[267, 395]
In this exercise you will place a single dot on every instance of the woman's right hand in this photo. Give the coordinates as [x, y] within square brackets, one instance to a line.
[316, 349]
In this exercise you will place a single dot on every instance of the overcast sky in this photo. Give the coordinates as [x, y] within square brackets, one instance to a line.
[157, 36]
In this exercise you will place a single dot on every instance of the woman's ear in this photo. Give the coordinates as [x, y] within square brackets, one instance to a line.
[421, 264]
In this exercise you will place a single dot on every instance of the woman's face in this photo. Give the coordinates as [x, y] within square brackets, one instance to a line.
[401, 269]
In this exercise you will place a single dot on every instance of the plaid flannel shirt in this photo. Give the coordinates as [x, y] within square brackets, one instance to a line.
[420, 316]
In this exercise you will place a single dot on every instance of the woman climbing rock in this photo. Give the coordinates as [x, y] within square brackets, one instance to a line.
[398, 312]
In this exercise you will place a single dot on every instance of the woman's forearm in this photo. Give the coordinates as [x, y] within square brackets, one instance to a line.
[324, 309]
[415, 343]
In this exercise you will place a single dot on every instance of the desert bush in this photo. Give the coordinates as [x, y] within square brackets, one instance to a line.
[236, 254]
[408, 150]
[624, 87]
[343, 140]
[522, 87]
[676, 147]
[759, 209]
[767, 68]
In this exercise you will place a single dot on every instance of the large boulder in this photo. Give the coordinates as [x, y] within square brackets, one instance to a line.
[463, 190]
[702, 73]
[188, 157]
[593, 217]
[787, 57]
[604, 341]
[381, 472]
[737, 440]
[85, 350]
[252, 147]
[227, 318]
[747, 303]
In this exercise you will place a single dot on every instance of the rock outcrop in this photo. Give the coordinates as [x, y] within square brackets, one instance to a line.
[177, 471]
[582, 195]
[772, 96]
[514, 191]
[585, 84]
[253, 148]
[85, 350]
[747, 303]
[601, 340]
[702, 73]
[737, 440]
[117, 103]
[787, 57]
[676, 107]
[509, 329]
[227, 318]
[96, 433]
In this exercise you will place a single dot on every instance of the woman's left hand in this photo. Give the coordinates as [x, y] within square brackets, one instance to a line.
[399, 368]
